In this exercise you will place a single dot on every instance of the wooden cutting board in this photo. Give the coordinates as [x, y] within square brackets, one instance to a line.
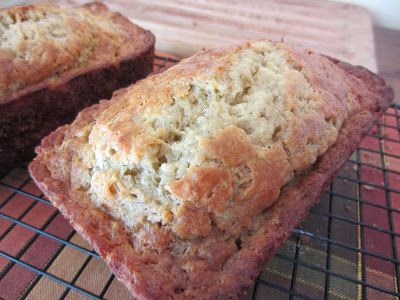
[184, 27]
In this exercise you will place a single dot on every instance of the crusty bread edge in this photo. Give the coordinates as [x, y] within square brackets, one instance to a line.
[292, 206]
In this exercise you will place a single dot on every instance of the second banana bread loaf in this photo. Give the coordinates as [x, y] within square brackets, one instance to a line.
[56, 61]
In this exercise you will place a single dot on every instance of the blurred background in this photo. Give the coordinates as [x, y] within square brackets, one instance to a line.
[385, 13]
[362, 32]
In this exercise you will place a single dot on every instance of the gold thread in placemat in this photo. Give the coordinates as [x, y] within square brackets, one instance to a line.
[65, 266]
[359, 244]
[118, 291]
[385, 162]
[337, 288]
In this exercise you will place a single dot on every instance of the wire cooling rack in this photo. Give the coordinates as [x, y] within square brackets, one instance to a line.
[347, 248]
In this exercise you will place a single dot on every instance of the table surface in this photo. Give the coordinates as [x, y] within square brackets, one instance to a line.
[387, 49]
[360, 43]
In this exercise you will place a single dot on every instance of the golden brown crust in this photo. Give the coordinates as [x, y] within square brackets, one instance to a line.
[216, 268]
[32, 112]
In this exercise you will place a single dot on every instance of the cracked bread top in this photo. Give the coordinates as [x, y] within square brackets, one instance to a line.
[210, 141]
[43, 42]
[190, 160]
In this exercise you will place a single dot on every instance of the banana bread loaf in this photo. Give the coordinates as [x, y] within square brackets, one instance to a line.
[188, 181]
[56, 61]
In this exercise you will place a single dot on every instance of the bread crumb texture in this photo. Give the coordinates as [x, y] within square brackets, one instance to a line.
[42, 42]
[190, 159]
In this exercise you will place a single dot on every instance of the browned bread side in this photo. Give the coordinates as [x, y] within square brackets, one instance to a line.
[208, 231]
[45, 84]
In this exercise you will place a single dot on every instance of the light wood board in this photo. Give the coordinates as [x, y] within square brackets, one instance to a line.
[184, 27]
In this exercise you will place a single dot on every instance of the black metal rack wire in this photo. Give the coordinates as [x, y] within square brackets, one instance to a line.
[331, 255]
